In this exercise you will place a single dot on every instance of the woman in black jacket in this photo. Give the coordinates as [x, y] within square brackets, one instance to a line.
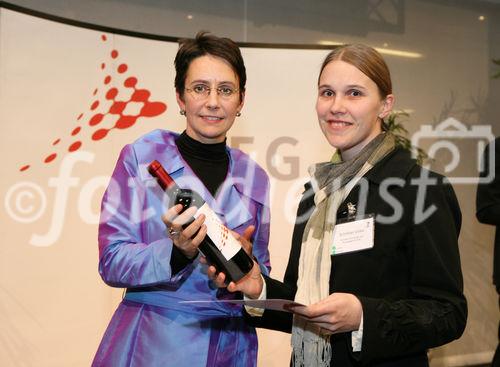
[488, 212]
[375, 247]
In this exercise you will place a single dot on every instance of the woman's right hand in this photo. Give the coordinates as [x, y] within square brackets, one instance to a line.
[186, 239]
[252, 283]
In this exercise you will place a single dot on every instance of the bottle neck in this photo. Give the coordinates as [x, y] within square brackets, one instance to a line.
[164, 180]
[185, 197]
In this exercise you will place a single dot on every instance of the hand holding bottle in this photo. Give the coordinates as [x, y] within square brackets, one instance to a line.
[219, 246]
[186, 239]
[252, 283]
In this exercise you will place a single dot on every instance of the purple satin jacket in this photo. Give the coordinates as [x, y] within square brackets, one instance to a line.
[150, 327]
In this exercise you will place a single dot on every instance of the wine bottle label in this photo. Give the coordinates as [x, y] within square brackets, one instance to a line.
[219, 233]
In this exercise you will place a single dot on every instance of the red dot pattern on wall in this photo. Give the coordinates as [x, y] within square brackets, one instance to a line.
[76, 130]
[50, 158]
[117, 108]
[75, 146]
[122, 68]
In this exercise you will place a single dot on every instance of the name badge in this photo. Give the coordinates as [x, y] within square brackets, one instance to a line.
[353, 236]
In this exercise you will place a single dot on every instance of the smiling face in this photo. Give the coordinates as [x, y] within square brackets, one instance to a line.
[349, 107]
[209, 118]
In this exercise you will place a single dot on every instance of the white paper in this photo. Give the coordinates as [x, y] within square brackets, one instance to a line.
[268, 304]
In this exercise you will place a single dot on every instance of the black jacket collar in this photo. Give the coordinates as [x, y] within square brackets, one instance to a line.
[397, 164]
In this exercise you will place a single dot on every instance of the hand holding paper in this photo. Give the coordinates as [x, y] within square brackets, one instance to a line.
[338, 313]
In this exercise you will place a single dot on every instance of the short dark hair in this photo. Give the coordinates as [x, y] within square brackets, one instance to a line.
[207, 44]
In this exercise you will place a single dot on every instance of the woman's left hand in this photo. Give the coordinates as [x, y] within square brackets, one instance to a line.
[338, 313]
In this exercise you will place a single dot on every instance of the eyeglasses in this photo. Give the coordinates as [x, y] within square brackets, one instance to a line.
[202, 91]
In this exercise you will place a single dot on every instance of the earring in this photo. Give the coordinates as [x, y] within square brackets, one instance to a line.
[238, 114]
[182, 112]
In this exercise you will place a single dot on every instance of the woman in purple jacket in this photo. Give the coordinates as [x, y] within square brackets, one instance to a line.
[151, 327]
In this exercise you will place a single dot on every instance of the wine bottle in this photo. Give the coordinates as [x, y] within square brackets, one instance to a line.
[219, 246]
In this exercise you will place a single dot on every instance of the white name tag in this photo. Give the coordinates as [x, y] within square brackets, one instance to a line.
[353, 236]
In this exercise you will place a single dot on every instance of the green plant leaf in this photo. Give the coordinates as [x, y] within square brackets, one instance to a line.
[394, 124]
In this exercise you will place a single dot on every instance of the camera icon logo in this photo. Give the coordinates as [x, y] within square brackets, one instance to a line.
[463, 148]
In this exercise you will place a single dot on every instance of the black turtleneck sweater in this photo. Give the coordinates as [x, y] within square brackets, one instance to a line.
[210, 163]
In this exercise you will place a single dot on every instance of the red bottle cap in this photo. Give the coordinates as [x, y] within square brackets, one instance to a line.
[164, 179]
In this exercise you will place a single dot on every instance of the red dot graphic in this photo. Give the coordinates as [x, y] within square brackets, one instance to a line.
[75, 146]
[152, 109]
[130, 82]
[50, 158]
[100, 134]
[96, 119]
[112, 93]
[140, 95]
[103, 37]
[122, 68]
[117, 108]
[124, 122]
